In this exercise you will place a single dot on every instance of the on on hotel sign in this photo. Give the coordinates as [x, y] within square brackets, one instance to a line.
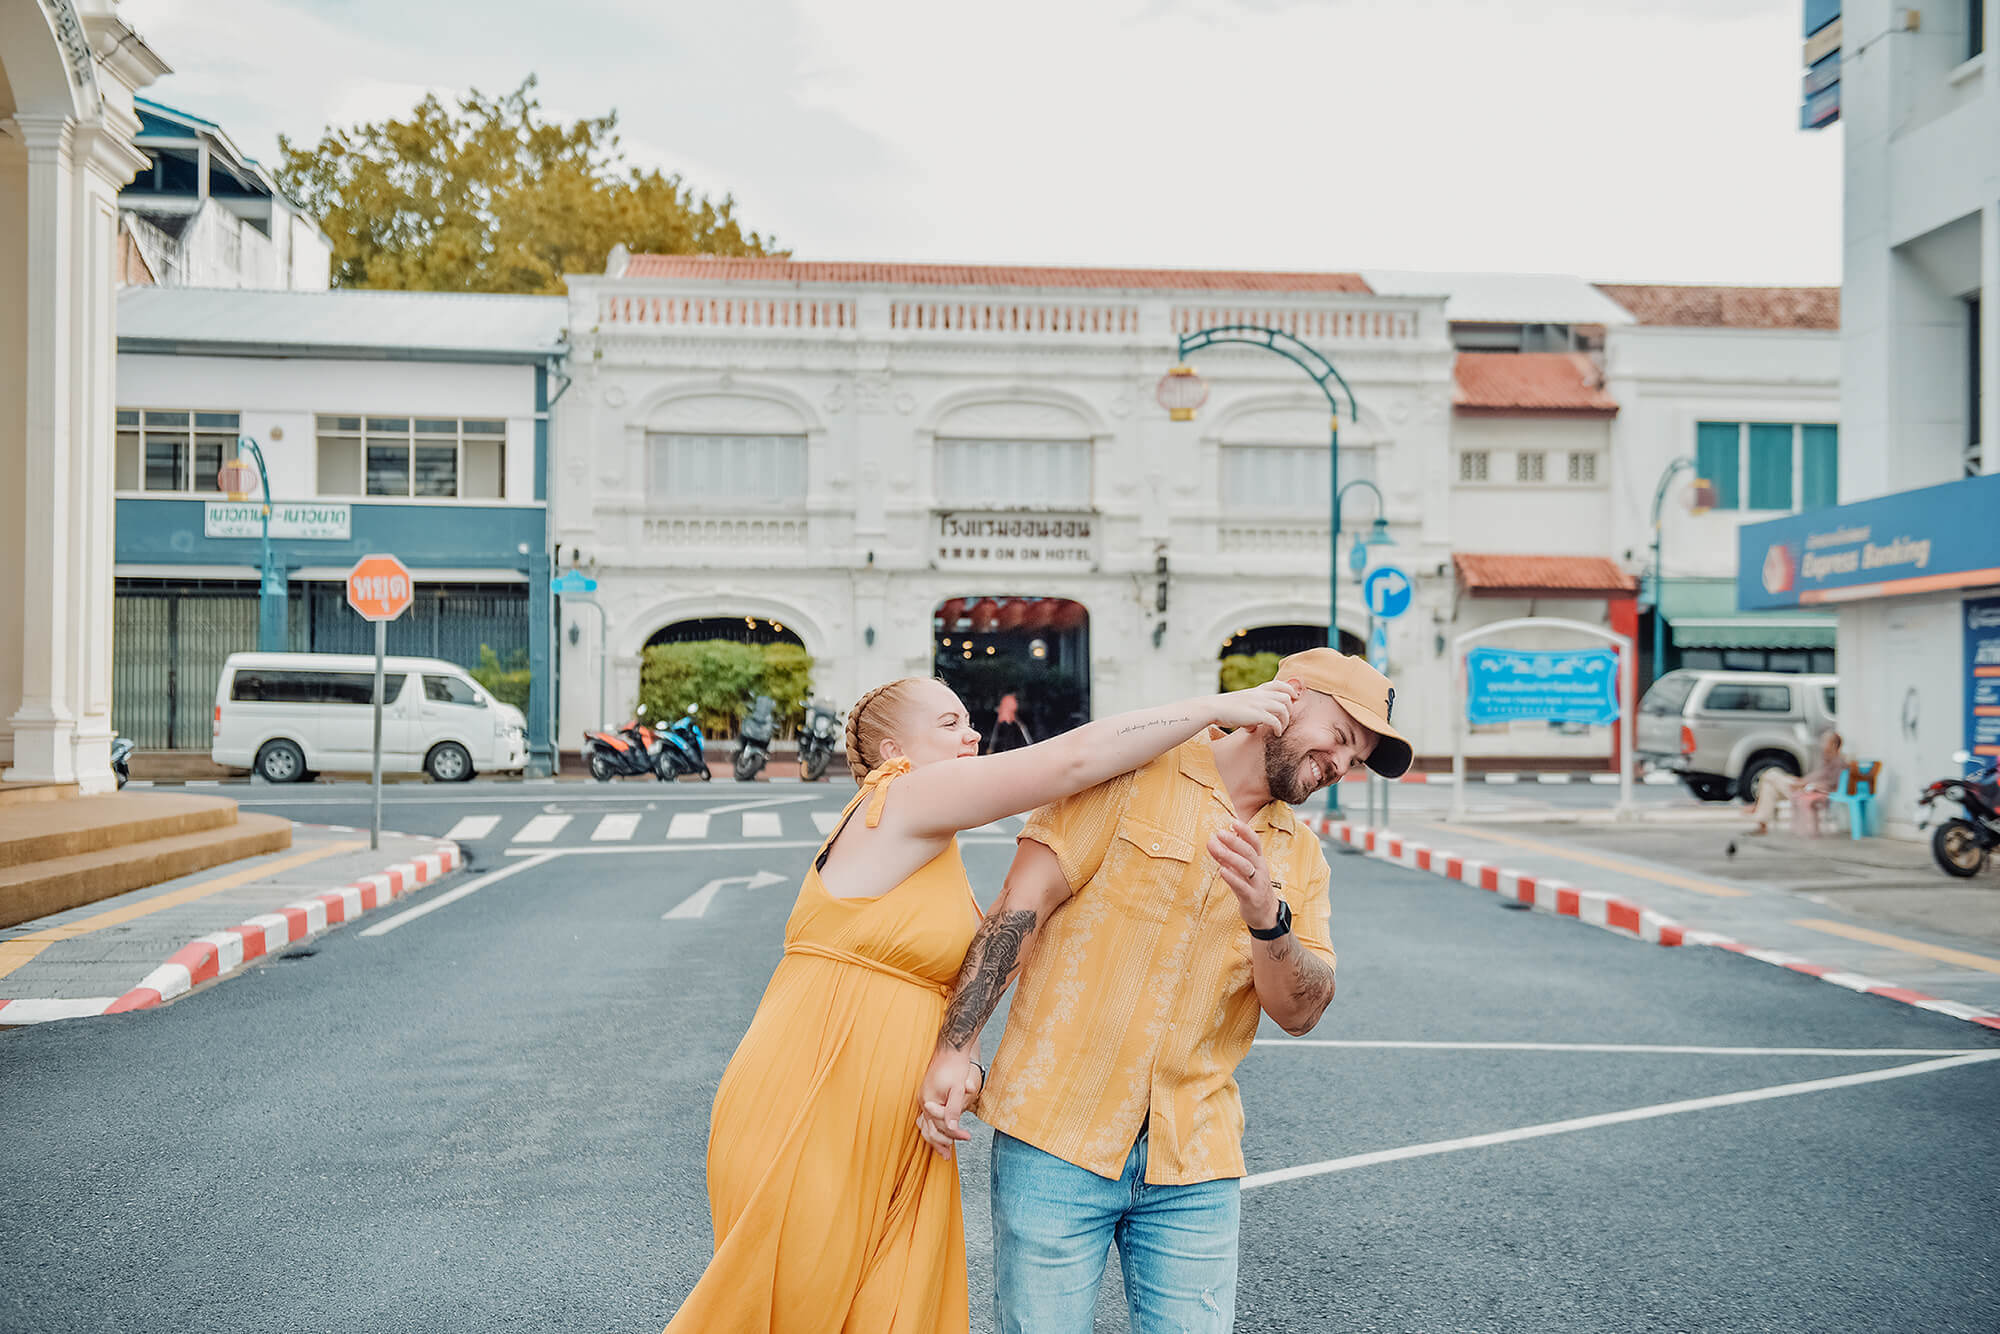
[1015, 540]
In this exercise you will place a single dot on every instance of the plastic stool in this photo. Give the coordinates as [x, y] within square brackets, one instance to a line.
[1856, 795]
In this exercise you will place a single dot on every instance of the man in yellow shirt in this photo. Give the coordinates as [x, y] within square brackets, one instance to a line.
[1193, 901]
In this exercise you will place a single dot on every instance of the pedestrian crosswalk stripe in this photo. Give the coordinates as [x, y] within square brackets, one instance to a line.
[762, 824]
[615, 828]
[473, 826]
[824, 821]
[542, 829]
[688, 824]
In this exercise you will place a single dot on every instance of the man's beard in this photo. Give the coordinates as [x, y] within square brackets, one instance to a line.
[1285, 770]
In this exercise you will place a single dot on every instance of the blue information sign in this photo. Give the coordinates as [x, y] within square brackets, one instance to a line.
[1378, 647]
[1387, 591]
[1982, 678]
[1574, 686]
[572, 583]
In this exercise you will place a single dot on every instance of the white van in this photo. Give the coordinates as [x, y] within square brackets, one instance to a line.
[288, 715]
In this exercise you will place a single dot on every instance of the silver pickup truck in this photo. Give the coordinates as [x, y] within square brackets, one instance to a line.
[1720, 730]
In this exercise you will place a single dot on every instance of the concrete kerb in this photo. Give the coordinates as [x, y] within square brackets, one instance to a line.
[1612, 912]
[221, 953]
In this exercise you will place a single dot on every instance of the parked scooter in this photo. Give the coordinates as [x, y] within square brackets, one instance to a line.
[1962, 844]
[816, 737]
[121, 757]
[631, 749]
[753, 752]
[681, 750]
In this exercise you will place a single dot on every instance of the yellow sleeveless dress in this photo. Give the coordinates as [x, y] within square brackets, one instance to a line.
[831, 1214]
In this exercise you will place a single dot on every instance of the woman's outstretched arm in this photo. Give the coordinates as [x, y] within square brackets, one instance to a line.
[966, 793]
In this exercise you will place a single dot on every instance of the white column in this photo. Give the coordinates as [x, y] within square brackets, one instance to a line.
[44, 724]
[1988, 369]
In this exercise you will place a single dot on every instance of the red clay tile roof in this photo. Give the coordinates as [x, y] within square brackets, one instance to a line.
[985, 275]
[1530, 382]
[1729, 307]
[1542, 576]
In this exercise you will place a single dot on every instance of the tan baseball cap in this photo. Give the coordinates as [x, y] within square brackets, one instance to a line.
[1364, 692]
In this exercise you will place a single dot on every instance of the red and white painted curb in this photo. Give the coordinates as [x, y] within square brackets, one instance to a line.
[1615, 913]
[223, 952]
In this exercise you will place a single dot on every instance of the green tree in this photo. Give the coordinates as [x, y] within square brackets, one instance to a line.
[1240, 671]
[719, 677]
[507, 682]
[491, 197]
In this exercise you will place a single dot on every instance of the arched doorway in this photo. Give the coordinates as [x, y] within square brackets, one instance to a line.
[1256, 649]
[1034, 648]
[735, 629]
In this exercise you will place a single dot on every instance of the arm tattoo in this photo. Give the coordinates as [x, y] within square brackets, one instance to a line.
[1154, 722]
[1311, 980]
[996, 948]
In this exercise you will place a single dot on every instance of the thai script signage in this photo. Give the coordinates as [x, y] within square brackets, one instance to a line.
[1573, 686]
[1021, 540]
[295, 520]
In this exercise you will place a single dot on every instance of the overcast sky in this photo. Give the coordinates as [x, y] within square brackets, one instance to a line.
[1624, 140]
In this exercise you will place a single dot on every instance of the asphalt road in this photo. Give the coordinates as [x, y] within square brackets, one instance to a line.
[492, 1115]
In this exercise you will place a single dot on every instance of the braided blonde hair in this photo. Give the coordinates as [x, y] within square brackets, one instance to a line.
[872, 720]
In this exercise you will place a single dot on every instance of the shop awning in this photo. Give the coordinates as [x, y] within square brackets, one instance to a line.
[1701, 613]
[1512, 576]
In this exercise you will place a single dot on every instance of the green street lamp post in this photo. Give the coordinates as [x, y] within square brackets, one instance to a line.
[1181, 392]
[271, 629]
[1703, 500]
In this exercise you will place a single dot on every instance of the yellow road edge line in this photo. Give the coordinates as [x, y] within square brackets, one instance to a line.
[1617, 864]
[21, 949]
[1942, 953]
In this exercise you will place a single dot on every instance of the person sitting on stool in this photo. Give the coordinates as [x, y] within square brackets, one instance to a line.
[1775, 786]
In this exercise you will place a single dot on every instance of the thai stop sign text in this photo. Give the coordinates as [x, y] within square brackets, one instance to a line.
[379, 587]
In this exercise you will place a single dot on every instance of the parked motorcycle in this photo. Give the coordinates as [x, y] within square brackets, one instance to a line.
[753, 752]
[1962, 844]
[681, 750]
[816, 738]
[631, 749]
[121, 757]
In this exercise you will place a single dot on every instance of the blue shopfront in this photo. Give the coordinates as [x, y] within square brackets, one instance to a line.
[188, 596]
[1915, 580]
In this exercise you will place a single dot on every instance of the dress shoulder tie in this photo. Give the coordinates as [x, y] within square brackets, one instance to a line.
[875, 787]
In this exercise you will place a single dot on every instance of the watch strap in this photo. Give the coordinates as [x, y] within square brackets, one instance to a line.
[1278, 928]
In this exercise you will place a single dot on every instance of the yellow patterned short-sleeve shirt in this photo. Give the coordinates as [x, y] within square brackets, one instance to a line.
[1139, 1000]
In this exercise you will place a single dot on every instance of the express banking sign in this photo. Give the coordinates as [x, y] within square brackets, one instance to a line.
[1941, 537]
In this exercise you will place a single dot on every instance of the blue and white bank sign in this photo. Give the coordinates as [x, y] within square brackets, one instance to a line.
[1921, 541]
[1572, 686]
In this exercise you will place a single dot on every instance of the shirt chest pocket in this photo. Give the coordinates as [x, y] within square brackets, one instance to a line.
[1152, 872]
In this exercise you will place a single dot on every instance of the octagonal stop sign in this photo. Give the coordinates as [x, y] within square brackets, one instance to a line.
[379, 588]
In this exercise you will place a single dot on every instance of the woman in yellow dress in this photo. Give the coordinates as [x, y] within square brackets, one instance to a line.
[831, 1214]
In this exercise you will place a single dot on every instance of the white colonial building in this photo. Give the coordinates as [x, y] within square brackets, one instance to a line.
[964, 470]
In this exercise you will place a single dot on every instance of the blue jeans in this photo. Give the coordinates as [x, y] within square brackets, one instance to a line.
[1053, 1225]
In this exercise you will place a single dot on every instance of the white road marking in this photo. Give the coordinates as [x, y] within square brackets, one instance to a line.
[620, 849]
[688, 824]
[617, 828]
[473, 826]
[1547, 1128]
[696, 904]
[736, 806]
[453, 895]
[1659, 780]
[762, 824]
[1552, 779]
[824, 821]
[542, 829]
[1503, 778]
[1634, 1048]
[1605, 780]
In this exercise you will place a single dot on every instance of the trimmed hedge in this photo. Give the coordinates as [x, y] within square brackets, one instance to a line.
[1240, 671]
[718, 677]
[509, 683]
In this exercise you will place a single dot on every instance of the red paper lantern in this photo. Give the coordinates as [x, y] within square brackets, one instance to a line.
[1066, 615]
[950, 611]
[1014, 614]
[985, 616]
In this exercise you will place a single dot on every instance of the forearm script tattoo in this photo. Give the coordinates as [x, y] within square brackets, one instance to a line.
[1154, 722]
[996, 948]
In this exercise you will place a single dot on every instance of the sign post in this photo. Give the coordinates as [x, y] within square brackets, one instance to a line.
[379, 588]
[1388, 593]
[576, 586]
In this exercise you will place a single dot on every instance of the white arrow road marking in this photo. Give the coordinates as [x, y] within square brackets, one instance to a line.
[617, 828]
[453, 895]
[688, 824]
[762, 824]
[473, 826]
[542, 829]
[696, 904]
[736, 806]
[1610, 1119]
[824, 821]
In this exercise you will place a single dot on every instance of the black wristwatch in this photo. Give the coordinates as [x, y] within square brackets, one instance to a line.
[1280, 927]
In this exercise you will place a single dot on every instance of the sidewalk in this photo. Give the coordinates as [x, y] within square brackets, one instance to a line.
[149, 946]
[1874, 915]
